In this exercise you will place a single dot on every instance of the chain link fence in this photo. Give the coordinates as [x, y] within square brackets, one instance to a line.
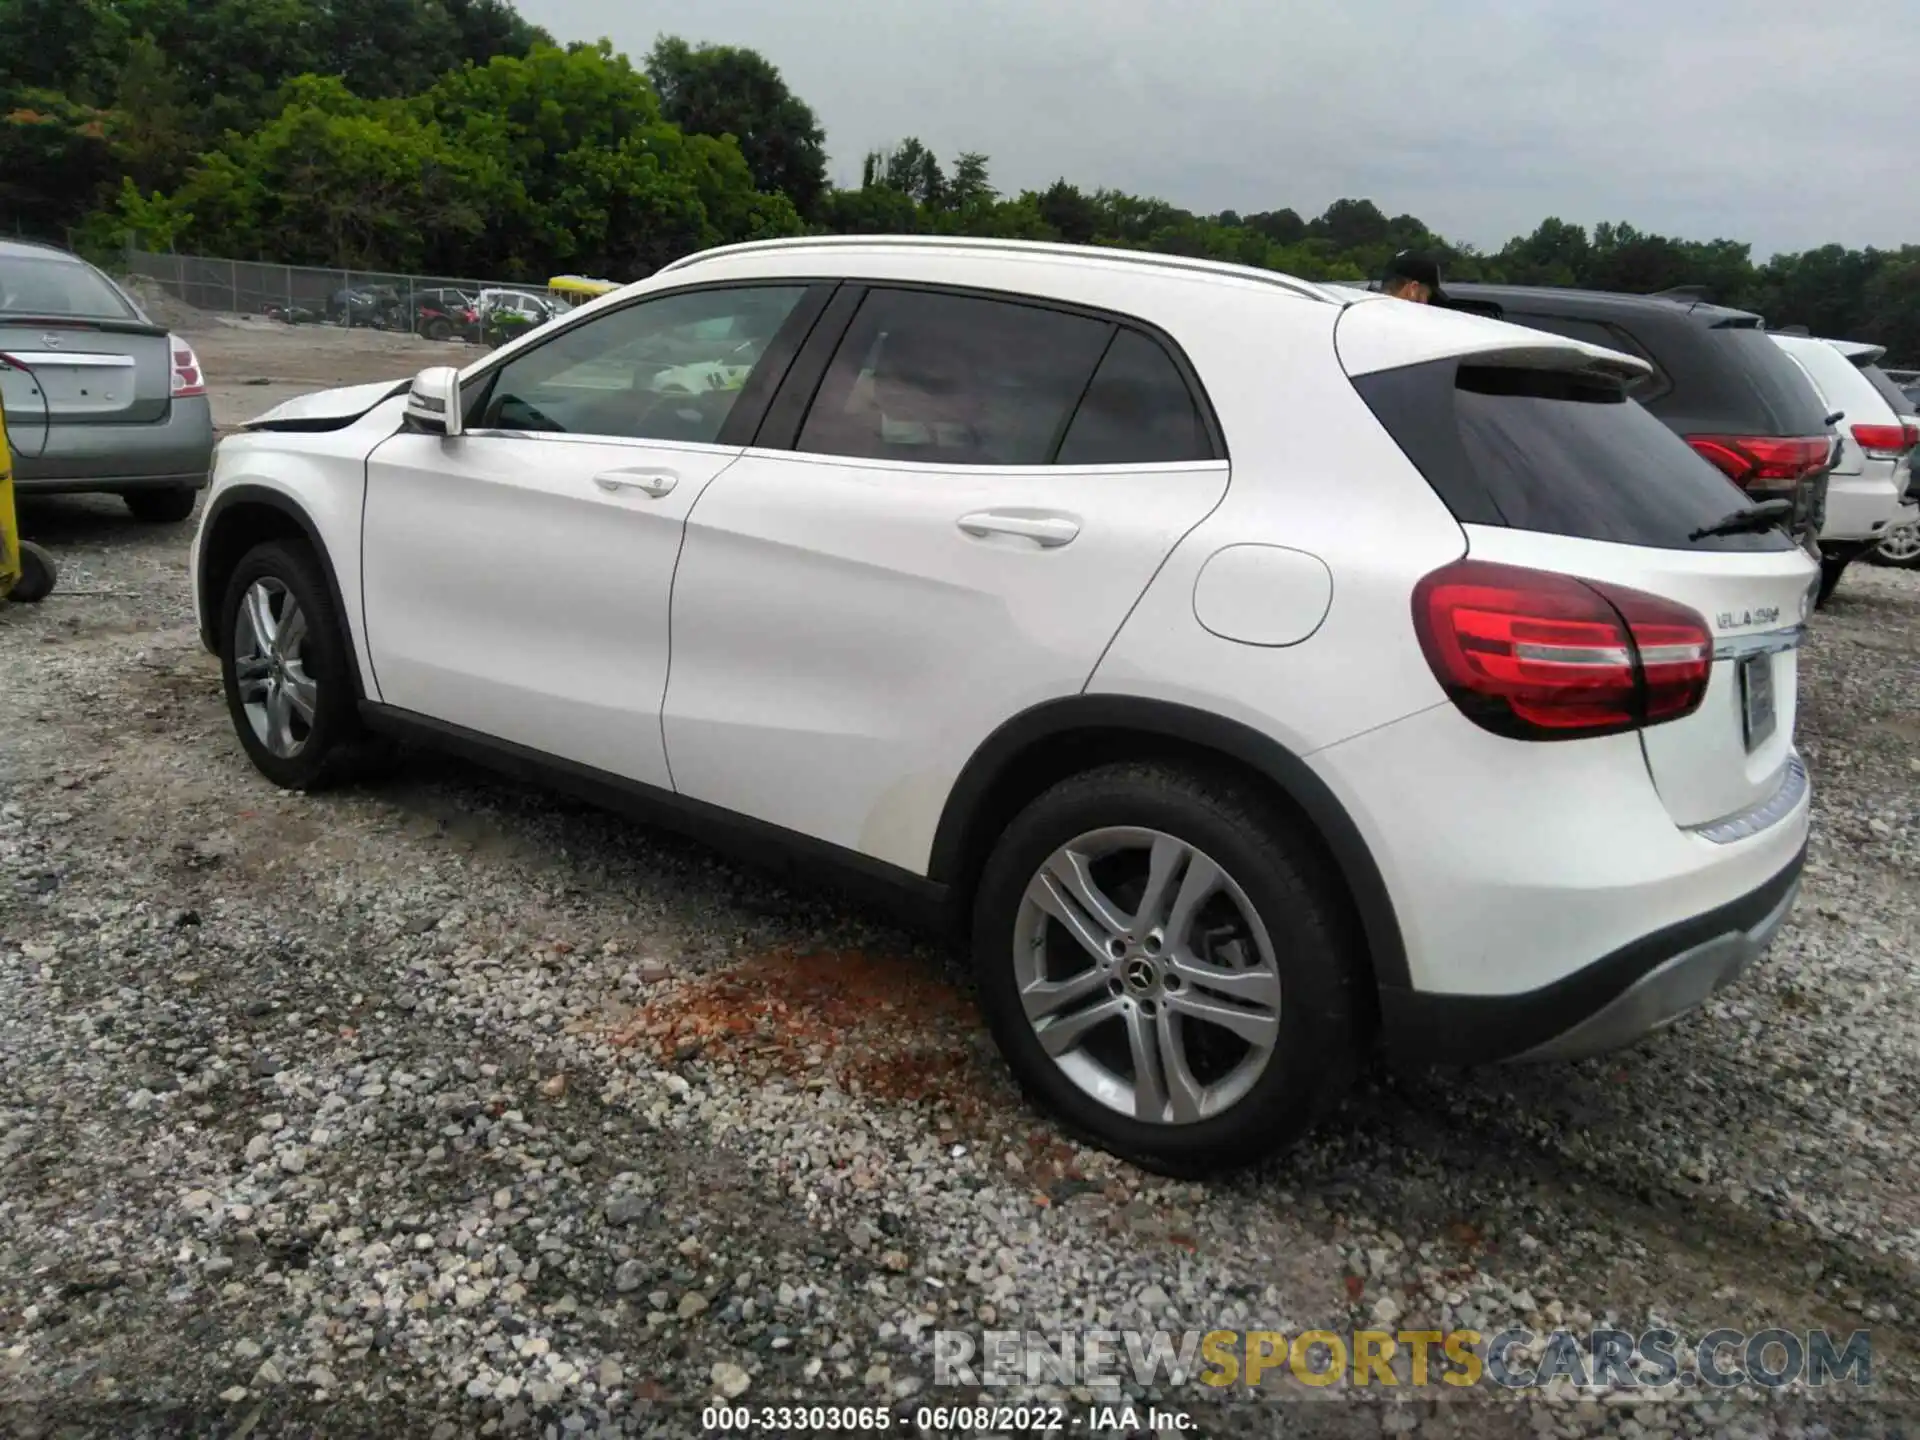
[439, 307]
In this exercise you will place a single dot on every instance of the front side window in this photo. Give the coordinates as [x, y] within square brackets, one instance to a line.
[953, 380]
[666, 369]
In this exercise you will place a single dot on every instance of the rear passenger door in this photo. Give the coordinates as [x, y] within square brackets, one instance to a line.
[954, 503]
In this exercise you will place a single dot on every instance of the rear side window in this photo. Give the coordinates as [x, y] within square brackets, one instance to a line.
[1889, 392]
[1138, 411]
[953, 380]
[1555, 452]
[52, 288]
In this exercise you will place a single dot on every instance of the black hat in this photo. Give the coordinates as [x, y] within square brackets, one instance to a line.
[1416, 265]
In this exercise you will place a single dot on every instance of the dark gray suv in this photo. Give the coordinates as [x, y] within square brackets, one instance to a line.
[1717, 381]
[98, 397]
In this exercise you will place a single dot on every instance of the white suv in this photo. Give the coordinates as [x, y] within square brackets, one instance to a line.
[1256, 672]
[1866, 488]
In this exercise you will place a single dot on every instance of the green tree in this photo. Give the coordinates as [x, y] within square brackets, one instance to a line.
[719, 90]
[969, 188]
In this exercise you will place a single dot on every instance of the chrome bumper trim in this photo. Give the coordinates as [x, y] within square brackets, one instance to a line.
[1743, 824]
[1765, 642]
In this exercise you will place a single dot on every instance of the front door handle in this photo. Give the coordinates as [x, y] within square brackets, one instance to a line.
[652, 482]
[1047, 531]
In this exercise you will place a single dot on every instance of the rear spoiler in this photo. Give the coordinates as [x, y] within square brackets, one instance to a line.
[84, 322]
[1859, 352]
[1372, 338]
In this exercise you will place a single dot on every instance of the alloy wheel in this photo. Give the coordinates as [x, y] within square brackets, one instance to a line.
[270, 666]
[1901, 545]
[1147, 975]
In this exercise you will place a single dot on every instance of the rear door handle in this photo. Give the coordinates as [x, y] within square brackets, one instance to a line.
[653, 482]
[1047, 531]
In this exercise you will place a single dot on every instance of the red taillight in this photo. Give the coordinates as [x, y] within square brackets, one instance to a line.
[1537, 656]
[1885, 442]
[1749, 459]
[187, 379]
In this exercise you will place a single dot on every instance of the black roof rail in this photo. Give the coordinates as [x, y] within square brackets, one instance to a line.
[1681, 292]
[1791, 330]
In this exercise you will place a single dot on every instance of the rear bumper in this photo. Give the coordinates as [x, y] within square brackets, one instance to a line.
[1611, 1003]
[1860, 507]
[176, 451]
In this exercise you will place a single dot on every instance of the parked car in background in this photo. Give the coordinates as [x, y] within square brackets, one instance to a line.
[108, 401]
[371, 306]
[1901, 545]
[1004, 575]
[506, 314]
[446, 314]
[1869, 480]
[1714, 378]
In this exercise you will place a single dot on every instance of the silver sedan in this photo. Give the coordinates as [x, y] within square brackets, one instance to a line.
[98, 398]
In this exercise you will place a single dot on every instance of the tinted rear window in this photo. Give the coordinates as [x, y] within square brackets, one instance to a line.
[1889, 392]
[1786, 395]
[32, 286]
[1555, 452]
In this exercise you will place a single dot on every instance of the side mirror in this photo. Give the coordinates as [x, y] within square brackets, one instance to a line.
[433, 404]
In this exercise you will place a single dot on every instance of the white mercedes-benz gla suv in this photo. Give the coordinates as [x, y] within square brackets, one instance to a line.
[1256, 672]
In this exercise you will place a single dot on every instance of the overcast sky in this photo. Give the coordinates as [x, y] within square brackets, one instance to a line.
[1779, 122]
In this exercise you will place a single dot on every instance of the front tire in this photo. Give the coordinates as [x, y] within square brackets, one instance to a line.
[286, 668]
[1167, 966]
[168, 505]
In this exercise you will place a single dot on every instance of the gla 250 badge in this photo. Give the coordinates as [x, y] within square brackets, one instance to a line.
[1741, 619]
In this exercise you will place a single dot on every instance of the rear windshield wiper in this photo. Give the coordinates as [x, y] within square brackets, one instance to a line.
[1763, 516]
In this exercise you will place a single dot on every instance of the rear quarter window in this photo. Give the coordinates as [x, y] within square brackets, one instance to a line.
[1889, 392]
[1555, 452]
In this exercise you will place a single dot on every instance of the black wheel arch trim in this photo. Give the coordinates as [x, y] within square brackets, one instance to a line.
[233, 498]
[955, 841]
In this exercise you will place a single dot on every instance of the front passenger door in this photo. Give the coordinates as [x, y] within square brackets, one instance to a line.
[517, 576]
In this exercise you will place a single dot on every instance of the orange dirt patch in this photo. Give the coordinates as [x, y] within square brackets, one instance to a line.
[885, 1026]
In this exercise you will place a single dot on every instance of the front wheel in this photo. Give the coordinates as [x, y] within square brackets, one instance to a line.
[1166, 965]
[286, 668]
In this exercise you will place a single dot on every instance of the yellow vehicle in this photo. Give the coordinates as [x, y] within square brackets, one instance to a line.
[571, 290]
[26, 571]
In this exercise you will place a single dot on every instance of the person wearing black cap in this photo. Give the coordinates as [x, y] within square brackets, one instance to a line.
[1414, 276]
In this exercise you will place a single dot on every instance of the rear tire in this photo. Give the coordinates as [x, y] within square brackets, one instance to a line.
[286, 667]
[165, 506]
[38, 575]
[1151, 982]
[439, 330]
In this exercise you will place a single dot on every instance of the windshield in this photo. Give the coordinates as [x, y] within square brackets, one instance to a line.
[30, 285]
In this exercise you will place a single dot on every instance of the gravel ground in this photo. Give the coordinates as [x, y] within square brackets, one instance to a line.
[443, 1107]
